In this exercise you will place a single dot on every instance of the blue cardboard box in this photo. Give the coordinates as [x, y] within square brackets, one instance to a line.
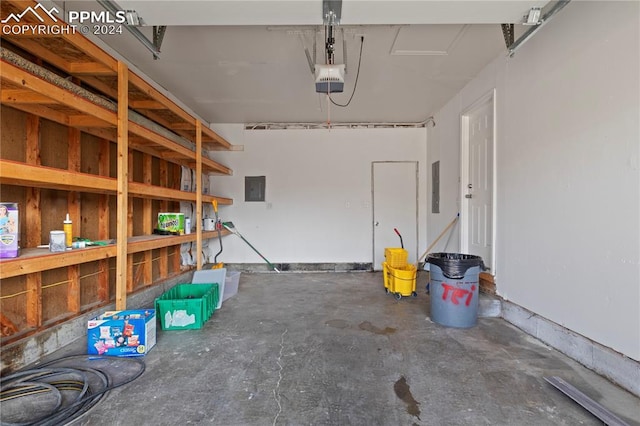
[122, 333]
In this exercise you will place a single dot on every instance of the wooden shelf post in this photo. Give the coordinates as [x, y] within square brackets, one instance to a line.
[198, 178]
[123, 181]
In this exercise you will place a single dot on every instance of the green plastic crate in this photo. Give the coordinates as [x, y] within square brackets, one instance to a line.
[187, 306]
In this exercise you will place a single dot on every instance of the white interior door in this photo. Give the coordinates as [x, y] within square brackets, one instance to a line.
[478, 182]
[395, 205]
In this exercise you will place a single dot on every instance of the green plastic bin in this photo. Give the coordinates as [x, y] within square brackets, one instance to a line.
[187, 306]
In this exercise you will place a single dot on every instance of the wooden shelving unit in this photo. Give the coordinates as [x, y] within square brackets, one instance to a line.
[100, 142]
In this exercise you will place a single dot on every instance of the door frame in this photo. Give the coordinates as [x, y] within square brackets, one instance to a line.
[489, 97]
[373, 206]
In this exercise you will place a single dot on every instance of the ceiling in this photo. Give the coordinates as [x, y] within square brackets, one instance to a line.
[244, 61]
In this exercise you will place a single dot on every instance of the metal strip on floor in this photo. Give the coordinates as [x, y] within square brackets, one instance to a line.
[589, 404]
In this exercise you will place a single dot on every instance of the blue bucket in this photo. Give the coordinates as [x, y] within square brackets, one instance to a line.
[454, 284]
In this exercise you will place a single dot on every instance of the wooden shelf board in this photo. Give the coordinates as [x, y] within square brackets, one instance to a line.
[142, 190]
[37, 260]
[211, 166]
[221, 200]
[207, 235]
[151, 242]
[154, 139]
[213, 140]
[154, 95]
[17, 173]
[16, 76]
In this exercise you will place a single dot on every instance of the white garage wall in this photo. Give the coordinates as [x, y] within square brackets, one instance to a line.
[568, 199]
[318, 191]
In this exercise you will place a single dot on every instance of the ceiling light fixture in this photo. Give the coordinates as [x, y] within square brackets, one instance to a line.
[329, 78]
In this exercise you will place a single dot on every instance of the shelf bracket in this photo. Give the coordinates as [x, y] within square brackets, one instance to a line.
[153, 47]
[158, 36]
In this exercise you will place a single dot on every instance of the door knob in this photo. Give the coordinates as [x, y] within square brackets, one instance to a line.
[377, 223]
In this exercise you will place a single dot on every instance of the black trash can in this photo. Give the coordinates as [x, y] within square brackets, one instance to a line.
[454, 284]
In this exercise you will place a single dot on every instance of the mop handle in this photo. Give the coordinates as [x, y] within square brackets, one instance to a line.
[398, 233]
[256, 250]
[455, 219]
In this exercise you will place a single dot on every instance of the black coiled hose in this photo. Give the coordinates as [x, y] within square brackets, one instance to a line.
[70, 387]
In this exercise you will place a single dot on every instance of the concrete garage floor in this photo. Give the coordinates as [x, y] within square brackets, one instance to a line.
[334, 349]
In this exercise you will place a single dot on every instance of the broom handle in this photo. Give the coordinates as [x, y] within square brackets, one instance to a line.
[455, 219]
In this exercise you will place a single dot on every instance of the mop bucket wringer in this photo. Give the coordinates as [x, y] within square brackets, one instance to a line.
[400, 281]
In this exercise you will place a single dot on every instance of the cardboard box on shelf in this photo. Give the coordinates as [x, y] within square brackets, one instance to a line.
[172, 222]
[9, 230]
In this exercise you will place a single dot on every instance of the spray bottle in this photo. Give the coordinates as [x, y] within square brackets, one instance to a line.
[67, 227]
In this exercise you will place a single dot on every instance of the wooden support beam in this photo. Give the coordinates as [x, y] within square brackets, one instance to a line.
[41, 52]
[100, 85]
[34, 300]
[130, 278]
[17, 76]
[33, 214]
[142, 145]
[73, 208]
[109, 134]
[89, 49]
[198, 178]
[17, 173]
[153, 116]
[143, 243]
[33, 217]
[163, 259]
[146, 104]
[18, 96]
[175, 259]
[123, 181]
[103, 220]
[147, 220]
[183, 126]
[73, 289]
[87, 121]
[130, 268]
[89, 68]
[154, 94]
[73, 165]
[218, 141]
[141, 190]
[43, 112]
[221, 200]
[37, 260]
[156, 138]
[215, 167]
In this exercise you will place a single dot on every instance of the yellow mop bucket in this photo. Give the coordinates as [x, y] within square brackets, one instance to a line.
[402, 280]
[395, 257]
[386, 276]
